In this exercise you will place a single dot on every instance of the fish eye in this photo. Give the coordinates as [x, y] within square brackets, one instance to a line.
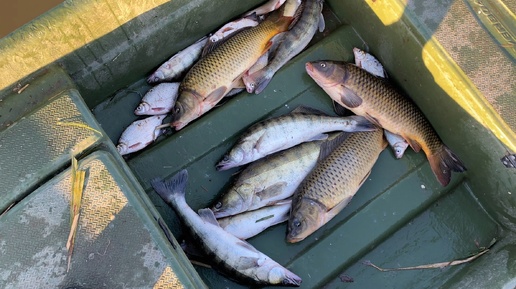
[323, 65]
[218, 205]
[251, 84]
[177, 109]
[296, 223]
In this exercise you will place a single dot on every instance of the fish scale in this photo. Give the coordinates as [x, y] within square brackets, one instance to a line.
[332, 183]
[377, 100]
[343, 170]
[214, 75]
[230, 59]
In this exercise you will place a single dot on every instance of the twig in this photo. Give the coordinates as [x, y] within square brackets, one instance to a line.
[78, 124]
[429, 266]
[23, 88]
[8, 208]
[75, 205]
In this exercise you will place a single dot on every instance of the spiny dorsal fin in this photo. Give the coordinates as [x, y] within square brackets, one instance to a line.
[307, 109]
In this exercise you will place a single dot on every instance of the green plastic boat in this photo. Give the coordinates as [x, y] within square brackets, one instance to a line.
[71, 79]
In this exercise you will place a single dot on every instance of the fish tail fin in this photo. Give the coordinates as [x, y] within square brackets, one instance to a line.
[173, 188]
[443, 163]
[360, 123]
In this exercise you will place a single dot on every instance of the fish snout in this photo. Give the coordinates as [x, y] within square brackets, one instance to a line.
[122, 148]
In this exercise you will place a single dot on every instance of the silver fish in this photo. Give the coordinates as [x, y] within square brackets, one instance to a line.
[252, 223]
[275, 177]
[270, 6]
[293, 42]
[178, 64]
[229, 255]
[397, 143]
[369, 63]
[158, 100]
[276, 134]
[139, 134]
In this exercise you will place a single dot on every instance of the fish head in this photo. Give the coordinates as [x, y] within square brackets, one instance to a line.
[235, 201]
[280, 276]
[232, 159]
[306, 217]
[156, 77]
[250, 82]
[185, 110]
[399, 149]
[326, 74]
[122, 148]
[142, 109]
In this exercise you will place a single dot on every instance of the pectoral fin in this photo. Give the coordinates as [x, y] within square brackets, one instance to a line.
[208, 216]
[216, 95]
[272, 191]
[245, 263]
[349, 98]
[321, 24]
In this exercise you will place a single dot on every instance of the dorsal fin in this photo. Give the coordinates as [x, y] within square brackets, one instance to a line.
[307, 109]
[333, 142]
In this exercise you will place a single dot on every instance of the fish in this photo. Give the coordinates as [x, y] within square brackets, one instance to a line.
[227, 254]
[293, 42]
[291, 7]
[158, 100]
[283, 132]
[267, 7]
[332, 183]
[252, 223]
[228, 30]
[214, 75]
[274, 178]
[397, 143]
[140, 134]
[370, 64]
[179, 63]
[381, 103]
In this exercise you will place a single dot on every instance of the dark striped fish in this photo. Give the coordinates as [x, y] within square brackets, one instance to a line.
[377, 100]
[332, 183]
[276, 134]
[226, 253]
[293, 42]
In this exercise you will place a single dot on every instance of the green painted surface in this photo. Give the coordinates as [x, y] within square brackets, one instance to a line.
[400, 217]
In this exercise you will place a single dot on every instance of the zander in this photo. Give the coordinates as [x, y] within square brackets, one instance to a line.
[228, 254]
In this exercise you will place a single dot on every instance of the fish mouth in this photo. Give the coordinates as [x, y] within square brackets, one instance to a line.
[222, 166]
[294, 239]
[177, 125]
[292, 280]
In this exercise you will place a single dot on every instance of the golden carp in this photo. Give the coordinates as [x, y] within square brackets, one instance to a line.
[332, 183]
[377, 100]
[213, 76]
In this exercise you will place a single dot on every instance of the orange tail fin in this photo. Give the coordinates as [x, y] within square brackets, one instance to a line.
[443, 163]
